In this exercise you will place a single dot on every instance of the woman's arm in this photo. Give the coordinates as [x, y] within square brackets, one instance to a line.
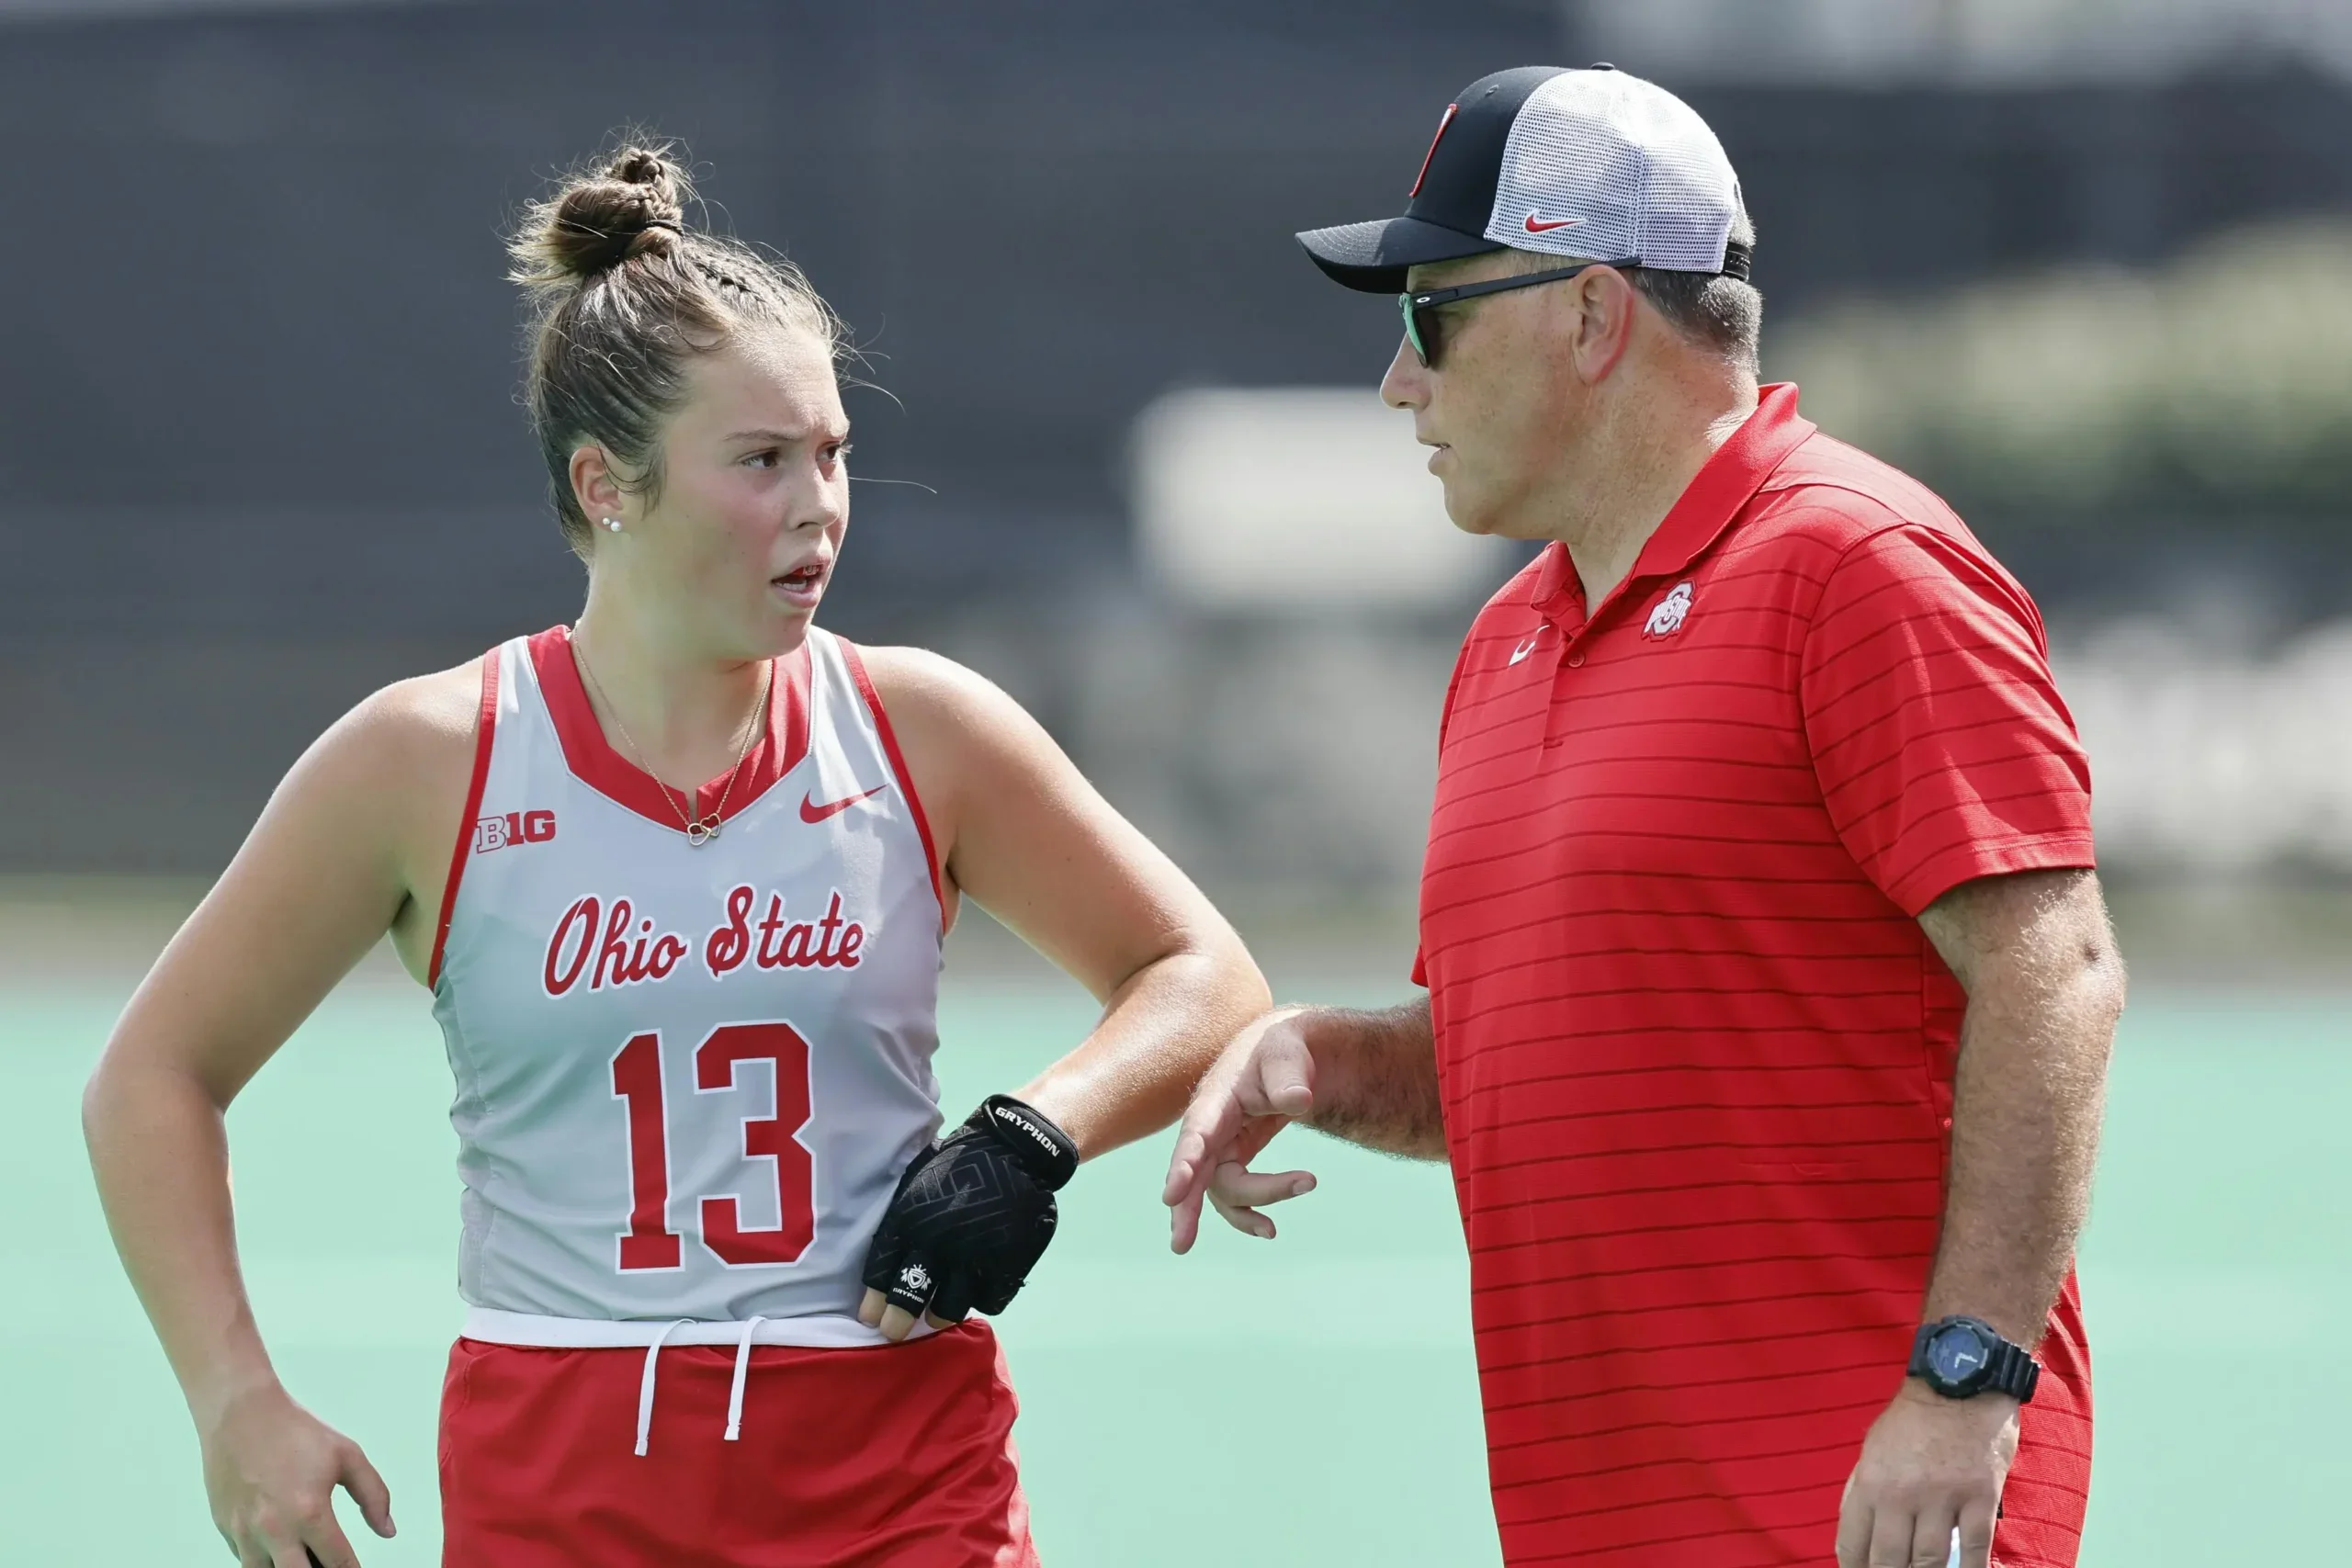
[1021, 831]
[338, 858]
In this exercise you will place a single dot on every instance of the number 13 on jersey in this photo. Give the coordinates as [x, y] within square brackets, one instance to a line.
[648, 1242]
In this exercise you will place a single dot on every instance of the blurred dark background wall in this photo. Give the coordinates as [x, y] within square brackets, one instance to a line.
[259, 444]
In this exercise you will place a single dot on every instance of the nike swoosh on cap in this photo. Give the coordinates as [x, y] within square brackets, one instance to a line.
[1546, 225]
[812, 813]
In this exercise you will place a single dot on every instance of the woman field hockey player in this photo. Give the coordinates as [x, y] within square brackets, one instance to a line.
[677, 878]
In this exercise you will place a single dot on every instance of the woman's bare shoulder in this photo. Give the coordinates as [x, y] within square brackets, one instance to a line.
[933, 690]
[398, 762]
[426, 724]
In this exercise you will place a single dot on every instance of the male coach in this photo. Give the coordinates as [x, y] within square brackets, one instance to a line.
[1769, 989]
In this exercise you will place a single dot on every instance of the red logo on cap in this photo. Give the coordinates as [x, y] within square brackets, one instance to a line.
[1546, 225]
[1450, 111]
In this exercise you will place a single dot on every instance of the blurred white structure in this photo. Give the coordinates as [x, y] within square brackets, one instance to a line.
[1281, 498]
[1272, 717]
[2004, 42]
[2215, 765]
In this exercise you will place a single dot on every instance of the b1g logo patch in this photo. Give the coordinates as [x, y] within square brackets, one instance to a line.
[1671, 612]
[513, 827]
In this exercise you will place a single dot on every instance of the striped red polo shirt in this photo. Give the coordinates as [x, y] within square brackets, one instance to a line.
[1696, 1052]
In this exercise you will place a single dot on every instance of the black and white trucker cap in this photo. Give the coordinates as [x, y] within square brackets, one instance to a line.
[1591, 163]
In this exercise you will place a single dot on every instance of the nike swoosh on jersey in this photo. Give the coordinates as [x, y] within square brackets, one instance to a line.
[1525, 649]
[812, 813]
[1544, 226]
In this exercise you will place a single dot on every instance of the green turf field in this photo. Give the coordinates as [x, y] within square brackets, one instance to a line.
[1306, 1401]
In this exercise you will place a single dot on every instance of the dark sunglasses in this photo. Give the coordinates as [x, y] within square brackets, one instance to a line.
[1421, 309]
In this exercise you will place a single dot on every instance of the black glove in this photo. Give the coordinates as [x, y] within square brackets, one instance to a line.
[972, 1213]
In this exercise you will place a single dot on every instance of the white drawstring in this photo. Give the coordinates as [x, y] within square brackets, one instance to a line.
[645, 1387]
[743, 1371]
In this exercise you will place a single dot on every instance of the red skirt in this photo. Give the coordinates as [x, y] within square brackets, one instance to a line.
[890, 1457]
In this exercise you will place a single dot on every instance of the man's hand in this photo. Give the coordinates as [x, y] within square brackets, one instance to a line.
[1931, 1465]
[271, 1468]
[1263, 1081]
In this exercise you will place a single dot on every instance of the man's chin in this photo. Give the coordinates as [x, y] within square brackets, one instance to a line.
[1481, 517]
[1467, 515]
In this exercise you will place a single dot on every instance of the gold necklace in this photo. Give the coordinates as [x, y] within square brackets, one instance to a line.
[703, 829]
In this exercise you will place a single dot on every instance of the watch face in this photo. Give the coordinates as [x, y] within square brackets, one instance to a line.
[1957, 1354]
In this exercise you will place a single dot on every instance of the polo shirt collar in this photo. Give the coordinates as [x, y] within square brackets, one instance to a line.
[1710, 503]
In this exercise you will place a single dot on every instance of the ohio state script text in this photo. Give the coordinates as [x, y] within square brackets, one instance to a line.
[598, 944]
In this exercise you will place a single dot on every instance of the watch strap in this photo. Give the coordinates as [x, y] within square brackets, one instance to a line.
[2014, 1371]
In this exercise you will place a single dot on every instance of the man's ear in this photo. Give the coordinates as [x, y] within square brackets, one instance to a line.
[594, 484]
[1607, 305]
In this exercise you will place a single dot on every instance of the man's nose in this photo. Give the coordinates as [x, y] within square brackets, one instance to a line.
[1407, 384]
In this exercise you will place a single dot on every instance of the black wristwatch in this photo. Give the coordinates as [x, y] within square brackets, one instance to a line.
[1960, 1358]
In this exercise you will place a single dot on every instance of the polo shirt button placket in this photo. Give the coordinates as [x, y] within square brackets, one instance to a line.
[1571, 657]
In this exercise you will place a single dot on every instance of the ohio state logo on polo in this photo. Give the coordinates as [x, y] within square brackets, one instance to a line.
[1696, 1053]
[1667, 619]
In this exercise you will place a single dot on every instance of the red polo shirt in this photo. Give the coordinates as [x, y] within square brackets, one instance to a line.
[1696, 1052]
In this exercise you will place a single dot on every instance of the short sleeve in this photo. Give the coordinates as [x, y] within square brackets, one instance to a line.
[1942, 748]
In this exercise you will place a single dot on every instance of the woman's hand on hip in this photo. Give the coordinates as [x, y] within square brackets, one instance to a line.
[270, 1470]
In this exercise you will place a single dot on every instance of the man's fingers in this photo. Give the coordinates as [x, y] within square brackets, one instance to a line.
[367, 1489]
[1266, 1071]
[1238, 1193]
[1184, 1223]
[1854, 1520]
[1256, 1132]
[1976, 1537]
[1892, 1533]
[1245, 1219]
[1285, 1076]
[1209, 1124]
[870, 1309]
[897, 1323]
[1236, 1184]
[1931, 1535]
[1212, 1124]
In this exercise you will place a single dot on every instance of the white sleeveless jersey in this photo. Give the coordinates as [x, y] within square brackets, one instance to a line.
[687, 1077]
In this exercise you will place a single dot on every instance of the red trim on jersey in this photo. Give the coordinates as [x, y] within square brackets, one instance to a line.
[485, 726]
[899, 765]
[595, 761]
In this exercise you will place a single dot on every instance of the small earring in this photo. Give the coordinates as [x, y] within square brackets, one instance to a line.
[614, 524]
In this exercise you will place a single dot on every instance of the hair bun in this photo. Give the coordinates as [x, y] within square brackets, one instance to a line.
[633, 205]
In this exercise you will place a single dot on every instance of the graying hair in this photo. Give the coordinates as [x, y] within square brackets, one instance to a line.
[1723, 314]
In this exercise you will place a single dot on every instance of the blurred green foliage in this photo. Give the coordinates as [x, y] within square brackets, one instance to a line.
[2219, 382]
